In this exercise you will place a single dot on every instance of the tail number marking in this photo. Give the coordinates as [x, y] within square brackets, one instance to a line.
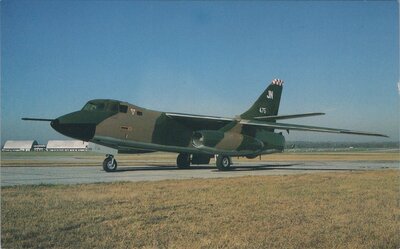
[263, 110]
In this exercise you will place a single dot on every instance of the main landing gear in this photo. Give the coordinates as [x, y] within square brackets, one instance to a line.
[110, 164]
[183, 161]
[223, 162]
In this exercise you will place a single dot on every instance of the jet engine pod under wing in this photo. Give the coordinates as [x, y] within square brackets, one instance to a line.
[226, 143]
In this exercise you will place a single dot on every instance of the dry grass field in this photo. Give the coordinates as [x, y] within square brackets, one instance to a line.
[327, 210]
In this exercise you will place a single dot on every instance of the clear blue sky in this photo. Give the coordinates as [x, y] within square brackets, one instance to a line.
[211, 58]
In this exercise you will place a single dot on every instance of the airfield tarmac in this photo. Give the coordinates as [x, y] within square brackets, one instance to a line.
[26, 175]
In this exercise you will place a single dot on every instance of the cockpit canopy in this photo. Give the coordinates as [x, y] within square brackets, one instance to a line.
[105, 105]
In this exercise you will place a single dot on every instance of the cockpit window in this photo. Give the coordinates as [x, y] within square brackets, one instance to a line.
[123, 108]
[113, 107]
[92, 106]
[105, 106]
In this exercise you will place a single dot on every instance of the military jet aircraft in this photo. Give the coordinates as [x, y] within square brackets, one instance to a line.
[197, 138]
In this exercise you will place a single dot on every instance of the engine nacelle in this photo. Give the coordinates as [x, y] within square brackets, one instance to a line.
[227, 143]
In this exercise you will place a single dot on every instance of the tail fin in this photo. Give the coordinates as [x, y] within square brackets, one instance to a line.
[268, 103]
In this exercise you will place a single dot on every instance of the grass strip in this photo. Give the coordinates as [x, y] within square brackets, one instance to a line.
[326, 210]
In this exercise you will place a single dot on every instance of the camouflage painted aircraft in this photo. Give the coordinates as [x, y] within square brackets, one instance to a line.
[133, 129]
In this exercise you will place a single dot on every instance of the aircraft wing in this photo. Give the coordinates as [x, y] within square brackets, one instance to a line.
[267, 118]
[211, 122]
[200, 122]
[281, 126]
[193, 116]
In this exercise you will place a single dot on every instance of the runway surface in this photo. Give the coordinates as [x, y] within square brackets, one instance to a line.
[11, 176]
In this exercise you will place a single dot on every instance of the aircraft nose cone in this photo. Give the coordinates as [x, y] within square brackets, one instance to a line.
[81, 131]
[55, 123]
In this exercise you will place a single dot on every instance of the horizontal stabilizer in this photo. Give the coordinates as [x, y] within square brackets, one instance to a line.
[281, 126]
[37, 119]
[269, 118]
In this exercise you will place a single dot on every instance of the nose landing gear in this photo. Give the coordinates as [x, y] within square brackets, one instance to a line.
[110, 164]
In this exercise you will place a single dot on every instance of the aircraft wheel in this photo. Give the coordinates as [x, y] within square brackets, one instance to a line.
[110, 164]
[223, 162]
[183, 161]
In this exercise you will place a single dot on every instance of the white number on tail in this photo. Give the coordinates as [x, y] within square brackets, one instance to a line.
[263, 110]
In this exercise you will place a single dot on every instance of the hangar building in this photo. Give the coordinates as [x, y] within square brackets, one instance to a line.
[67, 145]
[19, 145]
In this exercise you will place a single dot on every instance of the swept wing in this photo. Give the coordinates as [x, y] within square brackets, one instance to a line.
[303, 115]
[218, 122]
[282, 126]
[200, 122]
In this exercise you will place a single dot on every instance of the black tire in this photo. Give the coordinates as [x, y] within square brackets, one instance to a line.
[183, 161]
[110, 164]
[223, 163]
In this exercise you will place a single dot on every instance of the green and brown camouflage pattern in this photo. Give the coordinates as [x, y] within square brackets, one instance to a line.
[130, 128]
[133, 129]
[155, 131]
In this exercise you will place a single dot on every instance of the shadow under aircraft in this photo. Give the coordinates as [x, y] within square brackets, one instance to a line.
[132, 129]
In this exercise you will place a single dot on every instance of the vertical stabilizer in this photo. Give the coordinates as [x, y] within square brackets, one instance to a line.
[268, 103]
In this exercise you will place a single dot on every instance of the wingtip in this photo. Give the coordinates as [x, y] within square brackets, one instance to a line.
[379, 135]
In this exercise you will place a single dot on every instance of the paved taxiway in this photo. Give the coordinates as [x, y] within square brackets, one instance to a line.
[11, 176]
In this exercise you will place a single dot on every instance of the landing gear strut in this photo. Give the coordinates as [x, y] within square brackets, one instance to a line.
[110, 164]
[183, 161]
[223, 162]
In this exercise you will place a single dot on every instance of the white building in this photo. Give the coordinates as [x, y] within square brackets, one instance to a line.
[67, 145]
[19, 145]
[39, 147]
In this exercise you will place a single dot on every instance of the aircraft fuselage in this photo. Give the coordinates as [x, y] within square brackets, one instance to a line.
[129, 129]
